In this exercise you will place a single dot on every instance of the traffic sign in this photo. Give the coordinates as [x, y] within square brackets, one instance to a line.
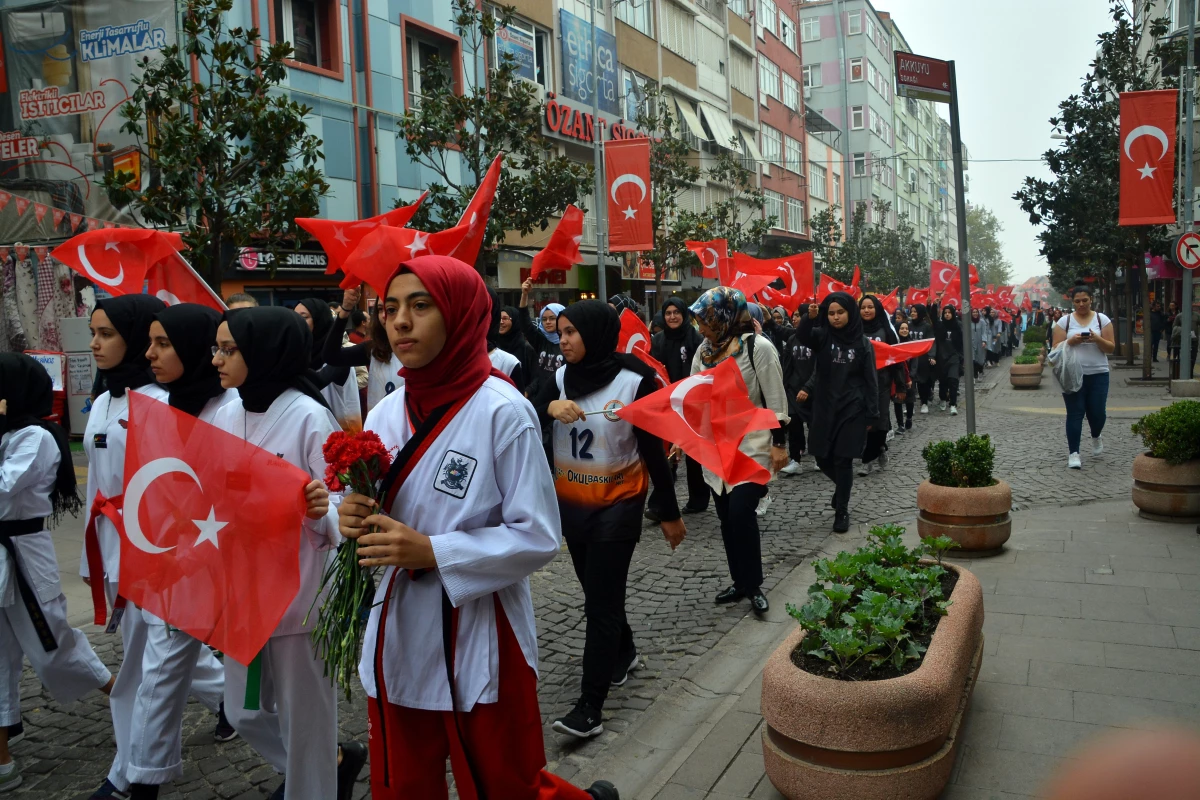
[1187, 250]
[922, 77]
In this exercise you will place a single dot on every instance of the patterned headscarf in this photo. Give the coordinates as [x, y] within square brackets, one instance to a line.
[723, 310]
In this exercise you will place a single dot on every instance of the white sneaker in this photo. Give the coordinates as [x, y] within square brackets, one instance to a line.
[864, 470]
[792, 468]
[1098, 445]
[954, 411]
[10, 778]
[763, 505]
[924, 408]
[883, 461]
[942, 406]
[1073, 461]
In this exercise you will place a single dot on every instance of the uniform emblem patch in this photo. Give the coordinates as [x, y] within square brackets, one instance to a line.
[455, 474]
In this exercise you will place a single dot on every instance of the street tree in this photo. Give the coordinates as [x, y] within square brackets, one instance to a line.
[887, 257]
[230, 160]
[455, 131]
[986, 252]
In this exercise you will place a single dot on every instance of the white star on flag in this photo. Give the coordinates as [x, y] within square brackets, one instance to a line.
[629, 212]
[340, 235]
[1147, 171]
[209, 528]
[112, 246]
[418, 244]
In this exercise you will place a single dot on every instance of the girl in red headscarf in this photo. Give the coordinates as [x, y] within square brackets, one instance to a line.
[468, 513]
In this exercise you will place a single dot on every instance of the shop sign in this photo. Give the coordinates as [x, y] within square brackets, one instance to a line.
[581, 69]
[250, 259]
[14, 144]
[43, 103]
[571, 123]
[519, 45]
[120, 40]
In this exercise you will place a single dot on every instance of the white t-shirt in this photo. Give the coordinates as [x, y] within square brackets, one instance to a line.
[1093, 360]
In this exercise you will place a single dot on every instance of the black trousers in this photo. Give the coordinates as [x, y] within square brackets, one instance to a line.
[925, 389]
[796, 440]
[876, 444]
[697, 488]
[603, 571]
[739, 532]
[841, 472]
[948, 390]
[901, 408]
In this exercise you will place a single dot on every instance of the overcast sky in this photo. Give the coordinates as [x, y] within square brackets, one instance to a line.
[1015, 62]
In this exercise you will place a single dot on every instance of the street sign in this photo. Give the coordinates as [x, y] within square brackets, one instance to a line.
[1187, 250]
[923, 78]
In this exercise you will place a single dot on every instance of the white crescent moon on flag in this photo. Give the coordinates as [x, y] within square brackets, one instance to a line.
[1146, 130]
[942, 279]
[633, 341]
[716, 257]
[628, 177]
[792, 272]
[137, 487]
[96, 276]
[679, 396]
[167, 297]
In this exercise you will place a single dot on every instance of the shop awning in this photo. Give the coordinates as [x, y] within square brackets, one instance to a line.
[719, 124]
[688, 115]
[751, 148]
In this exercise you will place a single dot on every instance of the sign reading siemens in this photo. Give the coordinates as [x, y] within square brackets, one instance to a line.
[120, 40]
[579, 65]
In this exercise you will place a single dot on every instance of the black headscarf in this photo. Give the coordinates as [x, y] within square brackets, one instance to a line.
[599, 325]
[192, 330]
[276, 344]
[493, 332]
[920, 314]
[851, 334]
[513, 341]
[953, 326]
[322, 319]
[676, 334]
[624, 301]
[130, 315]
[27, 387]
[880, 325]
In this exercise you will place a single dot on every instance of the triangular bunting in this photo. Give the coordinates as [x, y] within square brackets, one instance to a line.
[58, 214]
[76, 221]
[22, 205]
[39, 211]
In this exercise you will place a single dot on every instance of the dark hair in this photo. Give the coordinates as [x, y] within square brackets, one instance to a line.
[381, 348]
[1083, 287]
[357, 317]
[240, 297]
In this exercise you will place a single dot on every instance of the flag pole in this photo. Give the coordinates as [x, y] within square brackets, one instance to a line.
[964, 270]
[200, 280]
[1189, 208]
[598, 155]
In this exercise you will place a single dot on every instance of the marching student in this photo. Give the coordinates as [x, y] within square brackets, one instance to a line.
[501, 359]
[924, 367]
[543, 337]
[383, 368]
[37, 488]
[905, 403]
[844, 391]
[981, 333]
[798, 363]
[468, 513]
[265, 354]
[511, 339]
[675, 347]
[890, 381]
[950, 358]
[601, 468]
[338, 385]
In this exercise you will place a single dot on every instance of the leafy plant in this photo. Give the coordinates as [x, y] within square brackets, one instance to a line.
[966, 463]
[1032, 348]
[938, 545]
[875, 606]
[1034, 335]
[1025, 359]
[1172, 433]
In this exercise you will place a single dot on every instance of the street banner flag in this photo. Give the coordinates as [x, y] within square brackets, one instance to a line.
[942, 272]
[211, 539]
[57, 214]
[117, 259]
[339, 238]
[627, 165]
[174, 281]
[891, 301]
[634, 333]
[379, 253]
[474, 219]
[712, 254]
[914, 295]
[1148, 122]
[795, 272]
[888, 354]
[22, 205]
[562, 251]
[829, 285]
[707, 415]
[39, 211]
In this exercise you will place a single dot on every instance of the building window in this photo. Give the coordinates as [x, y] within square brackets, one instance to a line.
[856, 118]
[872, 76]
[739, 7]
[636, 100]
[425, 55]
[816, 180]
[741, 72]
[810, 29]
[870, 28]
[837, 188]
[791, 93]
[795, 215]
[768, 79]
[638, 16]
[787, 30]
[770, 16]
[772, 145]
[856, 70]
[812, 76]
[312, 28]
[793, 155]
[859, 161]
[678, 31]
[773, 207]
[528, 48]
[854, 25]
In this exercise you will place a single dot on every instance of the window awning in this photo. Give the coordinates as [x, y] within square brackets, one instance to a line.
[719, 124]
[752, 151]
[688, 115]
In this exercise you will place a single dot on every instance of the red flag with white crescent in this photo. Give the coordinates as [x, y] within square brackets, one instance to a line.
[888, 354]
[562, 251]
[627, 165]
[634, 333]
[891, 301]
[339, 238]
[174, 281]
[914, 295]
[1026, 304]
[795, 271]
[378, 253]
[828, 286]
[712, 254]
[117, 259]
[1147, 156]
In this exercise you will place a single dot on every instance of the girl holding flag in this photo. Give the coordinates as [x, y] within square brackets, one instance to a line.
[891, 381]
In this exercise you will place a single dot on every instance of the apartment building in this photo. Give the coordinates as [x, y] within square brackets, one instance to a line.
[826, 164]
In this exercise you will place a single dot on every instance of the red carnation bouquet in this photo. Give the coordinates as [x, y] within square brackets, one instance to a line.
[358, 462]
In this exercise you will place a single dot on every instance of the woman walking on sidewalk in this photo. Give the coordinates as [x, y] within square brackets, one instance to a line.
[980, 335]
[675, 347]
[924, 367]
[1091, 334]
[950, 358]
[889, 382]
[903, 403]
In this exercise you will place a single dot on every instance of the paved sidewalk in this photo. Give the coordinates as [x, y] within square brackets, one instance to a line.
[1093, 623]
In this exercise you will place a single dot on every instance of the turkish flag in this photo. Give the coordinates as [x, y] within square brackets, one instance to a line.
[117, 259]
[634, 333]
[1005, 295]
[1148, 121]
[888, 354]
[940, 275]
[211, 529]
[712, 254]
[913, 295]
[562, 251]
[747, 275]
[891, 301]
[660, 369]
[854, 282]
[1004, 316]
[795, 271]
[378, 254]
[173, 281]
[627, 165]
[707, 415]
[474, 218]
[829, 285]
[1026, 304]
[338, 239]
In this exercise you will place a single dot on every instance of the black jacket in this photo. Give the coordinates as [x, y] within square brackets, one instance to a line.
[676, 354]
[844, 392]
[548, 356]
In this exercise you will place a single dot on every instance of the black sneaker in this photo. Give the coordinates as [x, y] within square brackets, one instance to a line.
[908, 424]
[603, 790]
[841, 522]
[16, 733]
[691, 509]
[625, 665]
[108, 791]
[583, 722]
[652, 515]
[224, 731]
[354, 756]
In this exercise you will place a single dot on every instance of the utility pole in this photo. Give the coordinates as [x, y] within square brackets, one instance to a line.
[1189, 105]
[964, 269]
[598, 154]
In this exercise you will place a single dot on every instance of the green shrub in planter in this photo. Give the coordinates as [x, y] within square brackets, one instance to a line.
[1172, 433]
[965, 464]
[1025, 359]
[1034, 335]
[1032, 349]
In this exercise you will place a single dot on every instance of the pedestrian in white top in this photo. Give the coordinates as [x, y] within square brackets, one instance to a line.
[1091, 334]
[37, 487]
[469, 512]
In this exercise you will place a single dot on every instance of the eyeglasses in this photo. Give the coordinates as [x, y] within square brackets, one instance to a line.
[223, 352]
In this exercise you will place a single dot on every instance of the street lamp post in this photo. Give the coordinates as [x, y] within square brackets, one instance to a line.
[598, 155]
[1189, 105]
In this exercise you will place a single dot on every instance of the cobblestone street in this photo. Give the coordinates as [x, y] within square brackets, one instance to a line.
[67, 751]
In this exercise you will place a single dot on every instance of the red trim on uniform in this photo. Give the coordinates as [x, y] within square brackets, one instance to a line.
[111, 508]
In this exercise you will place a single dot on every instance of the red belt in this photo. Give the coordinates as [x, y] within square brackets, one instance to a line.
[111, 508]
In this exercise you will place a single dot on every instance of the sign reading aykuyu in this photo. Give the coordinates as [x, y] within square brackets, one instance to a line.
[579, 63]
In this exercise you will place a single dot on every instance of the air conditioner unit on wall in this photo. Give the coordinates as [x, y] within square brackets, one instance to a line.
[808, 93]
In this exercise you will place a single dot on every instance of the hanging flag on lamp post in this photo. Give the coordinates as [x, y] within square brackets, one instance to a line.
[627, 165]
[1148, 122]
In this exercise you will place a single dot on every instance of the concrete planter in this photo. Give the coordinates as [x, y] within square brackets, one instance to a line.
[892, 739]
[1025, 376]
[1123, 352]
[975, 518]
[1166, 491]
